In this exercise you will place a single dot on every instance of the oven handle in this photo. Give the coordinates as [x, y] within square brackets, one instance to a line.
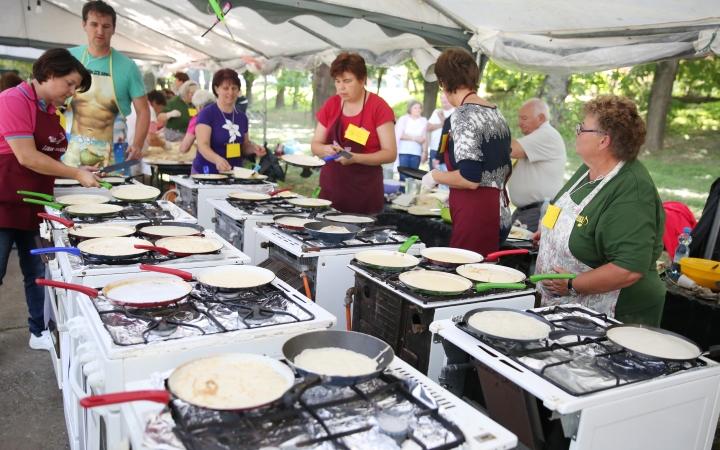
[61, 327]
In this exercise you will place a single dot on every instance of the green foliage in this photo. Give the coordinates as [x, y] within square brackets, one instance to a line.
[400, 108]
[23, 68]
[500, 81]
[295, 80]
[415, 78]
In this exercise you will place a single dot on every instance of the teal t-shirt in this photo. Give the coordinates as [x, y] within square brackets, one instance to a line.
[126, 77]
[624, 224]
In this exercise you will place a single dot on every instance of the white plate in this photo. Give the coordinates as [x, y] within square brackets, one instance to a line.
[309, 202]
[424, 211]
[520, 233]
[66, 182]
[303, 160]
[242, 173]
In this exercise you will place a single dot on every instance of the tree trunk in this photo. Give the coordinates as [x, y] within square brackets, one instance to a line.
[380, 72]
[659, 104]
[249, 79]
[296, 93]
[323, 88]
[554, 89]
[430, 97]
[280, 98]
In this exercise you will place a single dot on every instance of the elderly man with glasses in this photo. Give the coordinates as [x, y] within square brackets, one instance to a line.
[540, 154]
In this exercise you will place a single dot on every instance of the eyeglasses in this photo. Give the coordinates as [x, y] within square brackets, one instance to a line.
[579, 129]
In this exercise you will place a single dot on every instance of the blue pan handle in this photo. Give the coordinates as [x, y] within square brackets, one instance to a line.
[40, 251]
[330, 158]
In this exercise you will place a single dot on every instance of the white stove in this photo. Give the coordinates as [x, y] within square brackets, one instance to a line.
[112, 345]
[326, 268]
[193, 195]
[148, 425]
[384, 308]
[600, 395]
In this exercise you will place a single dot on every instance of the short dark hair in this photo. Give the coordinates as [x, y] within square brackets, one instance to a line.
[455, 69]
[168, 93]
[349, 62]
[100, 8]
[182, 76]
[157, 97]
[58, 62]
[225, 74]
[619, 118]
[9, 80]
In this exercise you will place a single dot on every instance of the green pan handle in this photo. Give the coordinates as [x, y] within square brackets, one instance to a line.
[57, 206]
[486, 286]
[552, 276]
[37, 194]
[406, 246]
[316, 192]
[105, 185]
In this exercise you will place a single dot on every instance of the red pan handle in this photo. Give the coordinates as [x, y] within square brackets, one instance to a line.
[495, 255]
[60, 220]
[75, 287]
[187, 276]
[124, 397]
[279, 191]
[160, 250]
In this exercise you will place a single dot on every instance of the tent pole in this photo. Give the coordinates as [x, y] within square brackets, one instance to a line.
[265, 110]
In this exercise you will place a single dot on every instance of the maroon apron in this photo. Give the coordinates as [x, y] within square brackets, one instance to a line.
[50, 139]
[355, 188]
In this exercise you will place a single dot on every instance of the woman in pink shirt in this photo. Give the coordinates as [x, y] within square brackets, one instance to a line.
[31, 144]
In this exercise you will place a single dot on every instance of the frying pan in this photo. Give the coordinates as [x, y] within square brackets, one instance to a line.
[449, 257]
[314, 229]
[78, 233]
[412, 173]
[373, 258]
[310, 202]
[250, 277]
[286, 224]
[209, 176]
[216, 373]
[66, 200]
[114, 181]
[135, 193]
[435, 283]
[249, 196]
[472, 312]
[102, 248]
[192, 229]
[629, 346]
[140, 292]
[166, 245]
[470, 271]
[66, 182]
[340, 217]
[364, 344]
[91, 210]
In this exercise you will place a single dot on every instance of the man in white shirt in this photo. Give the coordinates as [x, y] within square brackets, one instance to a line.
[541, 157]
[157, 101]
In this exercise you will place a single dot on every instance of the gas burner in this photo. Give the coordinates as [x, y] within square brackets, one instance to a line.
[257, 315]
[162, 328]
[577, 323]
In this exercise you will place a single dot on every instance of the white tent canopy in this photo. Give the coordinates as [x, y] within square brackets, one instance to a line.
[546, 36]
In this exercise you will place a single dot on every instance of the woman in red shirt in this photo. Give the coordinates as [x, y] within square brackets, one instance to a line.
[354, 185]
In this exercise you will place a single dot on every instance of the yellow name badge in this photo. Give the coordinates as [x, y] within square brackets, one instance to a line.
[355, 134]
[233, 150]
[444, 143]
[192, 112]
[551, 216]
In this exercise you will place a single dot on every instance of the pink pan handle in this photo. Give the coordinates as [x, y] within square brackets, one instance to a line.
[187, 276]
[75, 287]
[60, 220]
[495, 255]
[279, 191]
[124, 397]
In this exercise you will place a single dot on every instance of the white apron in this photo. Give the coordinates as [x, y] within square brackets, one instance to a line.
[555, 250]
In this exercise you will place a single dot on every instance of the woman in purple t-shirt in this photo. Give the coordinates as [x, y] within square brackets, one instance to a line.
[221, 130]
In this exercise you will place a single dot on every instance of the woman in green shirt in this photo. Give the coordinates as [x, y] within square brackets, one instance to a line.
[178, 112]
[606, 224]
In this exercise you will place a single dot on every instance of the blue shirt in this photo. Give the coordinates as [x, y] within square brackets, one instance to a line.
[224, 129]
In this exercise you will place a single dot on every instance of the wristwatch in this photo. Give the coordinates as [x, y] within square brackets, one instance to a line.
[572, 291]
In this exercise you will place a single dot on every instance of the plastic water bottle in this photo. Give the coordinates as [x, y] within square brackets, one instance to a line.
[543, 210]
[682, 251]
[119, 149]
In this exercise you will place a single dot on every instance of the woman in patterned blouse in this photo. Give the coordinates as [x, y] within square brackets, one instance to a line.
[477, 155]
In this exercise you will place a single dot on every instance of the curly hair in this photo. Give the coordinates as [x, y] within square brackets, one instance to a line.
[618, 117]
[455, 69]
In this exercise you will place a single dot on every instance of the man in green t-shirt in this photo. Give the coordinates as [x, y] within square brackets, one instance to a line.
[98, 116]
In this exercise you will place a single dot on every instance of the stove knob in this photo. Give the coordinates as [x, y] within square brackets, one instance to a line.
[96, 380]
[54, 266]
[78, 327]
[91, 367]
[213, 219]
[86, 347]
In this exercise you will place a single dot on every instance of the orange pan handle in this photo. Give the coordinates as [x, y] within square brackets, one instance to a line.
[187, 276]
[124, 397]
[279, 191]
[74, 287]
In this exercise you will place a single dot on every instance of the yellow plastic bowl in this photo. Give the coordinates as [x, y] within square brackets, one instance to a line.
[701, 271]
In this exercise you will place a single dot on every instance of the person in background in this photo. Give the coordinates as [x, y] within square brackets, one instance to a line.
[117, 84]
[222, 133]
[434, 127]
[354, 185]
[411, 137]
[9, 80]
[478, 162]
[178, 80]
[157, 103]
[541, 157]
[169, 94]
[176, 115]
[31, 144]
[607, 222]
[200, 99]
